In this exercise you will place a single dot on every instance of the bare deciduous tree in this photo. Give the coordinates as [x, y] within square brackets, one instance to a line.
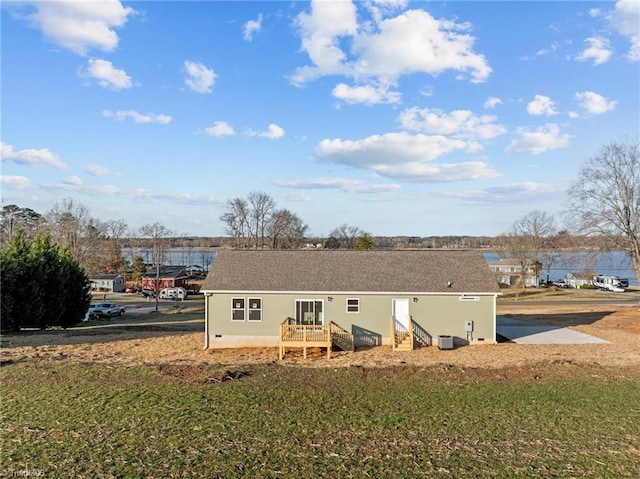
[605, 198]
[529, 244]
[344, 236]
[159, 236]
[235, 219]
[71, 225]
[286, 230]
[261, 206]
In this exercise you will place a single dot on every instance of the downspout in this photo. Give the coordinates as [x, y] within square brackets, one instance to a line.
[206, 320]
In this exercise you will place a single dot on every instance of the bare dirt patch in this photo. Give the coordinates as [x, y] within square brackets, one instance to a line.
[178, 341]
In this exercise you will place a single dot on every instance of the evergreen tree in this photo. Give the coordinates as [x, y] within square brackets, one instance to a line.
[42, 285]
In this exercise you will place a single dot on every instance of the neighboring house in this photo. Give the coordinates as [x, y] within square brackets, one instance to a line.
[510, 273]
[367, 298]
[113, 283]
[578, 280]
[167, 276]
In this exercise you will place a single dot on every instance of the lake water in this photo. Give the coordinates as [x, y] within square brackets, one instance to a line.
[615, 263]
[202, 257]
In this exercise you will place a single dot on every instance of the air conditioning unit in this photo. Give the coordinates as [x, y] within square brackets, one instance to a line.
[445, 342]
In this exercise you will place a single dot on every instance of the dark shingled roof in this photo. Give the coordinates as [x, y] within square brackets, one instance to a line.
[353, 271]
[174, 272]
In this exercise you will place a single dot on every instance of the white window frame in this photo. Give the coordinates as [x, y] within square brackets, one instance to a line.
[234, 309]
[250, 309]
[357, 305]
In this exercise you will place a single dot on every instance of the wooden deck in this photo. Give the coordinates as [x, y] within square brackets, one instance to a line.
[313, 336]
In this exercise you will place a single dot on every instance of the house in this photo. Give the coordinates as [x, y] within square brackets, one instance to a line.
[578, 280]
[510, 273]
[167, 277]
[113, 283]
[348, 298]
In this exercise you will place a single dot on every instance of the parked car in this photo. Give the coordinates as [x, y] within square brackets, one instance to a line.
[132, 289]
[91, 314]
[108, 310]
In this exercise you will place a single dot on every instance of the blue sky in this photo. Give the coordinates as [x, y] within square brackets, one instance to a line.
[401, 118]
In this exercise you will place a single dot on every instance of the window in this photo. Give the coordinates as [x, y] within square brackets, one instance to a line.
[353, 305]
[309, 312]
[255, 309]
[237, 309]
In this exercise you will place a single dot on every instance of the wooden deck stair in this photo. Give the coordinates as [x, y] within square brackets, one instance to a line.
[404, 345]
[341, 338]
[403, 339]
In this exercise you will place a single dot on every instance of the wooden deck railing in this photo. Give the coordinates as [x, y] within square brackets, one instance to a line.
[402, 337]
[309, 336]
[341, 337]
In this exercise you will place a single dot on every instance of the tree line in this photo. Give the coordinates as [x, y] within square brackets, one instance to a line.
[602, 212]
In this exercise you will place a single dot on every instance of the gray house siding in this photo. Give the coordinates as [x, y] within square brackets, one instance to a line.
[443, 290]
[108, 282]
[371, 326]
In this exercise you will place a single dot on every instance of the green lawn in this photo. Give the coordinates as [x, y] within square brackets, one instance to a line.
[82, 420]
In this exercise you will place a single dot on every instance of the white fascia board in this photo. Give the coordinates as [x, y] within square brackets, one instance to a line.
[353, 293]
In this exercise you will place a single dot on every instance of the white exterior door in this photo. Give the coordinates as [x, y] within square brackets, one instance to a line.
[401, 312]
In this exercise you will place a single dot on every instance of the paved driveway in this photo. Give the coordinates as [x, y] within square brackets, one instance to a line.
[529, 333]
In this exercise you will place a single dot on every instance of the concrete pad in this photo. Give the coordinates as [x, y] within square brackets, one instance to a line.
[522, 332]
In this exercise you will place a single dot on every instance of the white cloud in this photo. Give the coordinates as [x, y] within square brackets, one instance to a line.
[405, 156]
[220, 128]
[75, 185]
[510, 193]
[626, 20]
[73, 181]
[492, 102]
[343, 184]
[79, 25]
[199, 78]
[460, 123]
[320, 32]
[599, 50]
[541, 105]
[107, 75]
[412, 42]
[595, 104]
[137, 117]
[251, 27]
[542, 52]
[538, 141]
[15, 182]
[273, 132]
[142, 194]
[366, 94]
[438, 172]
[31, 157]
[415, 42]
[97, 170]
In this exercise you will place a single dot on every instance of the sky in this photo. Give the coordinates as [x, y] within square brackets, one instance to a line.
[397, 117]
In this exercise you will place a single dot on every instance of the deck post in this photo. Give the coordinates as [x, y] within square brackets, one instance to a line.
[393, 334]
